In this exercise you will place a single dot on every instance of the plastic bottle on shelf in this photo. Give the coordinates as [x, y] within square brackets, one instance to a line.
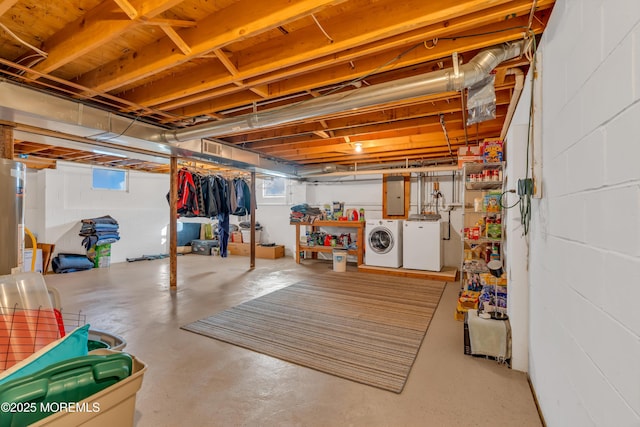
[487, 254]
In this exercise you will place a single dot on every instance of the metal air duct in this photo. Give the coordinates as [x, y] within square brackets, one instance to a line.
[426, 84]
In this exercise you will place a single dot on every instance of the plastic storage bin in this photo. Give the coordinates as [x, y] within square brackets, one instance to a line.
[113, 342]
[203, 247]
[117, 403]
[50, 390]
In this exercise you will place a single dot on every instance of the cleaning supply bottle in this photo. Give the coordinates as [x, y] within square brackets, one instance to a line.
[361, 216]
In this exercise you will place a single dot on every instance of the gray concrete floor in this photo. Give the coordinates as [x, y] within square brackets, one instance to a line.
[192, 380]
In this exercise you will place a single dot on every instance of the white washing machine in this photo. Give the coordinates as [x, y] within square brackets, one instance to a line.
[422, 245]
[384, 243]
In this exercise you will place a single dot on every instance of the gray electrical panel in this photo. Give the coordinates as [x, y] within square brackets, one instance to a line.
[395, 195]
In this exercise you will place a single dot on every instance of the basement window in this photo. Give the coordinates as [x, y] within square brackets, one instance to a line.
[274, 187]
[109, 179]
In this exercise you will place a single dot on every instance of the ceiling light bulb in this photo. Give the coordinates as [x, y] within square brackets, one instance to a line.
[358, 147]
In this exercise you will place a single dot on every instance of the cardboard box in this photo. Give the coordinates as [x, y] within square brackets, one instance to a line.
[236, 237]
[270, 252]
[472, 154]
[264, 252]
[492, 150]
[238, 248]
[28, 259]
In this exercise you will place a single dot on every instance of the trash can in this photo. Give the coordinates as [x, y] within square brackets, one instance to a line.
[340, 260]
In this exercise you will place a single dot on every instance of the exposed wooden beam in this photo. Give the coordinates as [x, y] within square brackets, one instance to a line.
[232, 101]
[340, 73]
[228, 90]
[242, 19]
[262, 90]
[430, 130]
[99, 26]
[226, 62]
[173, 224]
[295, 58]
[171, 22]
[7, 150]
[176, 39]
[321, 134]
[5, 5]
[128, 8]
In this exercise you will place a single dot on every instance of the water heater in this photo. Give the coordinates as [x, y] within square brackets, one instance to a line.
[12, 181]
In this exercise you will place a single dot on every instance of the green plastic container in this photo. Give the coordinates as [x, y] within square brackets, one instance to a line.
[95, 345]
[41, 394]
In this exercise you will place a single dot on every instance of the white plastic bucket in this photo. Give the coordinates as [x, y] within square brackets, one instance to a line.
[340, 260]
[246, 236]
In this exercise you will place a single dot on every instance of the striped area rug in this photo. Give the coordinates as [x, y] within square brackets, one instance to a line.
[364, 331]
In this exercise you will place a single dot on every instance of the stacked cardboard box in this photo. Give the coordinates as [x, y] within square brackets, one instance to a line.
[467, 300]
[267, 252]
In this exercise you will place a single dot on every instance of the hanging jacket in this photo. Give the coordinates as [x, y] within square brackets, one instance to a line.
[213, 197]
[187, 204]
[242, 197]
[197, 180]
[225, 195]
[233, 200]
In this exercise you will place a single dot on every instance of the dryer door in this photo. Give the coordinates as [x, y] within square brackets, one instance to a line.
[381, 240]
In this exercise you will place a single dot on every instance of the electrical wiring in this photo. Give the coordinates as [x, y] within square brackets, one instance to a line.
[502, 198]
[97, 136]
[29, 45]
[525, 187]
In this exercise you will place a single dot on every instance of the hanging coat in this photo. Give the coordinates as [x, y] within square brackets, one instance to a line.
[187, 204]
[242, 197]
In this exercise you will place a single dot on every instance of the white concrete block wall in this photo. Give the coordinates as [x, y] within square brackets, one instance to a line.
[584, 244]
[142, 212]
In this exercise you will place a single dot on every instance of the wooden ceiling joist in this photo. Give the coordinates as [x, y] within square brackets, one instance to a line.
[179, 63]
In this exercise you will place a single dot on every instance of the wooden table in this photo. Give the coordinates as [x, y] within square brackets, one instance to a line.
[315, 226]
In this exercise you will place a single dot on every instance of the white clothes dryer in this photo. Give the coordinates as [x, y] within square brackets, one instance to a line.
[423, 245]
[384, 243]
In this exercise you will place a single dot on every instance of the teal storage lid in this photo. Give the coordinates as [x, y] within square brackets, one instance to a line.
[64, 382]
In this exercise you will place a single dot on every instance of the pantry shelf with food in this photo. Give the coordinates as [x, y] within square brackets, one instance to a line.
[482, 233]
[355, 247]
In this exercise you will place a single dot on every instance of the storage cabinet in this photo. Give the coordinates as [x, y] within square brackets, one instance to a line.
[483, 231]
